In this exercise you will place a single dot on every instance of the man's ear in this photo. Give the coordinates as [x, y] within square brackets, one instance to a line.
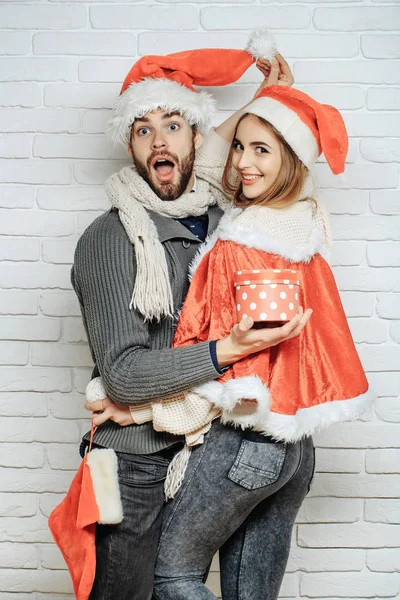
[198, 140]
[130, 151]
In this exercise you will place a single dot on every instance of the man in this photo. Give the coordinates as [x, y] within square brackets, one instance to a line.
[162, 211]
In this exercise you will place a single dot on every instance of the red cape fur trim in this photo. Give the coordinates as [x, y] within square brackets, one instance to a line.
[228, 230]
[288, 428]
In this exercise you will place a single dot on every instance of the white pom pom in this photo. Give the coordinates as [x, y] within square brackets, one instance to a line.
[341, 178]
[262, 44]
[95, 390]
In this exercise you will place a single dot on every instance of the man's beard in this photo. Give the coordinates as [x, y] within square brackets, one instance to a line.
[168, 191]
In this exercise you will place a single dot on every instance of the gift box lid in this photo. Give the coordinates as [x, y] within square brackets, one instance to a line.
[267, 276]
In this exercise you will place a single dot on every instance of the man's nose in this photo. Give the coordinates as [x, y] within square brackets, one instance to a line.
[158, 141]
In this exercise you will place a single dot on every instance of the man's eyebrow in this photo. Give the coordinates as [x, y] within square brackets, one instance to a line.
[176, 113]
[143, 119]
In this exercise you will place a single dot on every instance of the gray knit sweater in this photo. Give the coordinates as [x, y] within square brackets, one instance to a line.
[134, 358]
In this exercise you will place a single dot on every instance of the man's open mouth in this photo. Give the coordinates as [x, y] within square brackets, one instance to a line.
[164, 168]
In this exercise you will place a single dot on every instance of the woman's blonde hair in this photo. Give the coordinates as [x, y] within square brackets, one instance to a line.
[287, 186]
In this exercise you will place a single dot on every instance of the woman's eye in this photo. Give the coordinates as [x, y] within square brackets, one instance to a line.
[237, 146]
[261, 150]
[173, 126]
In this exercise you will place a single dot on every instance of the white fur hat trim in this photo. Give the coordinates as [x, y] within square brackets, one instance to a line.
[150, 94]
[299, 137]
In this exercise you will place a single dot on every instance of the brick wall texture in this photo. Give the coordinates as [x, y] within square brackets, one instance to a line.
[61, 67]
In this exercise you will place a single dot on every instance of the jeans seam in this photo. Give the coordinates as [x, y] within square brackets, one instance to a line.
[239, 455]
[298, 464]
[110, 570]
[239, 591]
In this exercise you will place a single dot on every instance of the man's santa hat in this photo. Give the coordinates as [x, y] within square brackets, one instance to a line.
[167, 82]
[310, 128]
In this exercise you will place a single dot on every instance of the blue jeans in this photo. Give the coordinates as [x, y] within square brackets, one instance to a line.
[125, 553]
[241, 495]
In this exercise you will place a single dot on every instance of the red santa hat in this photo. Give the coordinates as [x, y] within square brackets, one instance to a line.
[167, 82]
[309, 127]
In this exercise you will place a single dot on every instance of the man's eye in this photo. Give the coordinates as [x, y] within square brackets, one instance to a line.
[143, 131]
[173, 126]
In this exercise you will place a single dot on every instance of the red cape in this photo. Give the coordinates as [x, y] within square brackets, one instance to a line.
[302, 384]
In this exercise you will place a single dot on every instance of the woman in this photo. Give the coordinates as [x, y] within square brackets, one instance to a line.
[242, 490]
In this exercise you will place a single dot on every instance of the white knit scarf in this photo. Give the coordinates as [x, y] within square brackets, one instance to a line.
[131, 195]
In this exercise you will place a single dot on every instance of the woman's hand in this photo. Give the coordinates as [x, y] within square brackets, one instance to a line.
[243, 340]
[108, 410]
[276, 72]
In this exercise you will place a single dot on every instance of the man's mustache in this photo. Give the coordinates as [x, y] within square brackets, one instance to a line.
[167, 155]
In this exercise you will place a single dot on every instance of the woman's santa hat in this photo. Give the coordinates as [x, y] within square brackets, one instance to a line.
[309, 127]
[167, 82]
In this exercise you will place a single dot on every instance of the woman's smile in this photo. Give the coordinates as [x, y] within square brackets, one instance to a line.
[256, 157]
[248, 179]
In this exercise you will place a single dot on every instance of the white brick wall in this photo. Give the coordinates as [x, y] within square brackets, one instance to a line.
[62, 66]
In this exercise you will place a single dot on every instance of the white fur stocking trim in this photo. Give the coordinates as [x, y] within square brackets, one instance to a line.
[103, 466]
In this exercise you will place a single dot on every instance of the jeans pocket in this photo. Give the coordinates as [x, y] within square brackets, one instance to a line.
[141, 471]
[258, 464]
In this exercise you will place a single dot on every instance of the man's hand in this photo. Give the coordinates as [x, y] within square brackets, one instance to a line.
[276, 72]
[108, 410]
[243, 340]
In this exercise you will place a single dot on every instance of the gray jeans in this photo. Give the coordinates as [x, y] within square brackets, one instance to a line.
[125, 553]
[241, 495]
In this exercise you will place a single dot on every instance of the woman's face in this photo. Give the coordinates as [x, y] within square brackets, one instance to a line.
[256, 157]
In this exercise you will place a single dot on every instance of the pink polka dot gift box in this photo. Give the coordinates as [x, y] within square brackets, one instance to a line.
[267, 295]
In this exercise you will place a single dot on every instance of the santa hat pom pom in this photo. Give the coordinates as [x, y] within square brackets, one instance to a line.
[341, 179]
[262, 44]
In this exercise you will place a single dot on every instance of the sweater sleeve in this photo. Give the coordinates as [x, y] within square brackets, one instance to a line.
[211, 159]
[120, 340]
